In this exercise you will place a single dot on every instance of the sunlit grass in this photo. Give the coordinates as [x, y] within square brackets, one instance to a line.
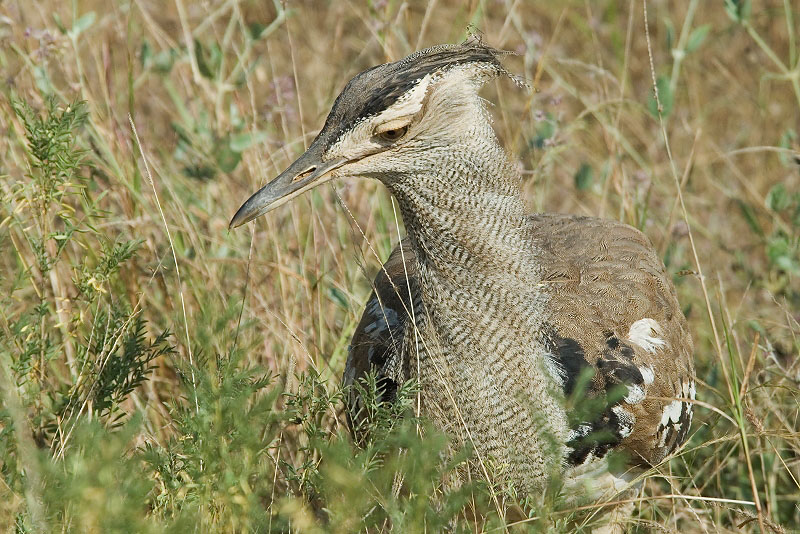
[137, 400]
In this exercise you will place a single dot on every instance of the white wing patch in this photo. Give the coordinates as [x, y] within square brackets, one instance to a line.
[646, 333]
[648, 375]
[625, 420]
[635, 394]
[670, 418]
[581, 432]
[671, 413]
[677, 414]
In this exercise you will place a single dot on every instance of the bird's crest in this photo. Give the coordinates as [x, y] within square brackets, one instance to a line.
[380, 87]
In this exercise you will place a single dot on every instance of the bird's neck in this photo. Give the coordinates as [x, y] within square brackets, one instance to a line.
[476, 257]
[465, 216]
[483, 309]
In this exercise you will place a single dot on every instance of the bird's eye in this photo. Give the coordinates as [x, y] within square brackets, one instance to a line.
[394, 134]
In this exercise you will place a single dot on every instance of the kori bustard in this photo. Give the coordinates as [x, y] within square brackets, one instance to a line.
[498, 314]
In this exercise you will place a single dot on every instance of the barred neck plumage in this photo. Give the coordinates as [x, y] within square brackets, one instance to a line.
[464, 213]
[484, 309]
[476, 258]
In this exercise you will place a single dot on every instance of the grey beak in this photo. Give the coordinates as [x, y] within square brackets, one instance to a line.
[307, 172]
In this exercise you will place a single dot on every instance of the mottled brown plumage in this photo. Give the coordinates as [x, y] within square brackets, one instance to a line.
[613, 274]
[498, 314]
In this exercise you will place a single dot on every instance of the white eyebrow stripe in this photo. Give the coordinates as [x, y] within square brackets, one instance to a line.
[408, 104]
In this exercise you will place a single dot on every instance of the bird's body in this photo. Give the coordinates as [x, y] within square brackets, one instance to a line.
[601, 304]
[503, 318]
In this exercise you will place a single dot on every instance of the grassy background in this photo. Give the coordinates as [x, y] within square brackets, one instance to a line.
[158, 373]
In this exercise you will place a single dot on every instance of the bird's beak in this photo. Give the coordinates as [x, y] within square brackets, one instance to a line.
[307, 172]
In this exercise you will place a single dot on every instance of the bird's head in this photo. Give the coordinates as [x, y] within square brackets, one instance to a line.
[387, 120]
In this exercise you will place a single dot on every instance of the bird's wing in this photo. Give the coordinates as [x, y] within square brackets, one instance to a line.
[378, 338]
[612, 310]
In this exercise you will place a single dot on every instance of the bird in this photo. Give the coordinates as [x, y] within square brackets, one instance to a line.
[502, 317]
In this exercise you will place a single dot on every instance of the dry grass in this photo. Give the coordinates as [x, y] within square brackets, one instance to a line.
[587, 139]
